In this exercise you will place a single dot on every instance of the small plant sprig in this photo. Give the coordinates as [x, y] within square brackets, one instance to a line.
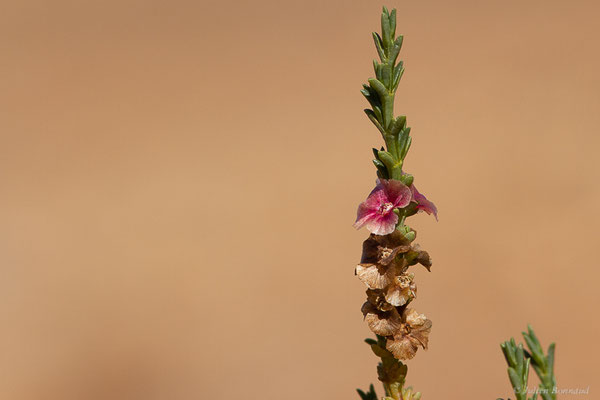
[519, 360]
[381, 93]
[389, 251]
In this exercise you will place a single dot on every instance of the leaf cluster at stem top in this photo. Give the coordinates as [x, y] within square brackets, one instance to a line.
[381, 92]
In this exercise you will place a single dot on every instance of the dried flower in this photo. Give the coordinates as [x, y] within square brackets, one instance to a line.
[375, 276]
[377, 211]
[377, 298]
[380, 268]
[402, 290]
[383, 250]
[414, 332]
[422, 203]
[383, 323]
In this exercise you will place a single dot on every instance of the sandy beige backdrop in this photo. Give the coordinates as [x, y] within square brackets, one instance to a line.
[178, 181]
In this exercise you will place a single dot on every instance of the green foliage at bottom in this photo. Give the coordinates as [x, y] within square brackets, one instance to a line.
[519, 360]
[370, 395]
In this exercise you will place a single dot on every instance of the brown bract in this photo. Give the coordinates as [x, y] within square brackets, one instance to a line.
[383, 323]
[402, 290]
[421, 257]
[375, 276]
[377, 299]
[382, 250]
[413, 333]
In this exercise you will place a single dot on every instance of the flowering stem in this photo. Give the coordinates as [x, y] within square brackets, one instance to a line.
[389, 252]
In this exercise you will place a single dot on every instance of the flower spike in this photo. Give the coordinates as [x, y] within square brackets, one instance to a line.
[389, 251]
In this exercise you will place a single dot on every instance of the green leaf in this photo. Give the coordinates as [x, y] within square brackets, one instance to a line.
[398, 71]
[520, 356]
[551, 349]
[399, 40]
[370, 395]
[406, 147]
[379, 46]
[378, 87]
[509, 353]
[372, 96]
[404, 142]
[526, 371]
[381, 169]
[385, 29]
[374, 120]
[515, 379]
[387, 159]
[535, 395]
[380, 352]
[386, 76]
[535, 349]
[395, 50]
[396, 126]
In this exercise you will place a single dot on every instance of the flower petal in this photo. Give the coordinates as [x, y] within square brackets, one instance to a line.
[422, 203]
[368, 209]
[363, 215]
[377, 197]
[397, 192]
[382, 224]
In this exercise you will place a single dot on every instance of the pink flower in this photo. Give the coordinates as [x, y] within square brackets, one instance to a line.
[377, 212]
[422, 203]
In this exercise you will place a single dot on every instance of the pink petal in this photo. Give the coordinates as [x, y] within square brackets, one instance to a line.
[376, 198]
[382, 224]
[368, 209]
[364, 214]
[422, 203]
[397, 192]
[390, 194]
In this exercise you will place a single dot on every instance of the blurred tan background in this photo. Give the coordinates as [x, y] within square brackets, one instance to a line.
[178, 181]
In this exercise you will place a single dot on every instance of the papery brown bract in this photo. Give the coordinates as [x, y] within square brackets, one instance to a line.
[414, 333]
[383, 250]
[402, 290]
[383, 323]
